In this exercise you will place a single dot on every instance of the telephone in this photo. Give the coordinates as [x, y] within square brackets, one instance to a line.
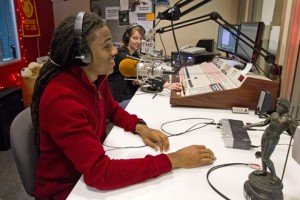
[191, 49]
[185, 47]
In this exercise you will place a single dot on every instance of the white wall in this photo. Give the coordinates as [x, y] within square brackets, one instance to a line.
[228, 9]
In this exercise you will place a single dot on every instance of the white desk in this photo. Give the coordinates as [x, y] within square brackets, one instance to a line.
[190, 184]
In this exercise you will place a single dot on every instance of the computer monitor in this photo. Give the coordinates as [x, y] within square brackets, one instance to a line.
[253, 30]
[227, 41]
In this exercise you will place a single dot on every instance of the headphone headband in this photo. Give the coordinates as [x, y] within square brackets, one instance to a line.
[78, 24]
[82, 55]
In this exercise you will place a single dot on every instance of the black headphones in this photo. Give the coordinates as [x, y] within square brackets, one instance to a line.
[82, 55]
[126, 35]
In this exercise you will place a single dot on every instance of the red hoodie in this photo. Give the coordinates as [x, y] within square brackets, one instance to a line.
[73, 114]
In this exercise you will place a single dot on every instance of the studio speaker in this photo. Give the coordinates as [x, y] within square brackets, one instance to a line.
[11, 104]
[208, 44]
[264, 103]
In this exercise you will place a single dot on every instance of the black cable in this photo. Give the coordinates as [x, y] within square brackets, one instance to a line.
[163, 44]
[169, 134]
[217, 167]
[189, 129]
[178, 2]
[174, 36]
[156, 24]
[125, 147]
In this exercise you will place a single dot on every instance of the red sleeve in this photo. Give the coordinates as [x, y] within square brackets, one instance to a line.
[116, 114]
[120, 173]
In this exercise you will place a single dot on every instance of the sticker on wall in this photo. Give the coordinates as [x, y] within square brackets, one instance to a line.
[145, 6]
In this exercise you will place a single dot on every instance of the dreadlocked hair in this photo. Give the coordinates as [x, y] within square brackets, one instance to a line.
[61, 58]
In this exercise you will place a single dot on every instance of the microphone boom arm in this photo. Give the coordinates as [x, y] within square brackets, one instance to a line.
[269, 57]
[174, 12]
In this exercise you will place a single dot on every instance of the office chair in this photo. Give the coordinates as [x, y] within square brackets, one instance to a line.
[23, 148]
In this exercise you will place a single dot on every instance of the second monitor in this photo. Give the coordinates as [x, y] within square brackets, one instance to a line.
[227, 42]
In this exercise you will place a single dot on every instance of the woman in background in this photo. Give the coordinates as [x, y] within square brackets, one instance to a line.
[121, 89]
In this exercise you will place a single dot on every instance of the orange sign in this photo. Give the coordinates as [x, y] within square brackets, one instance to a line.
[29, 20]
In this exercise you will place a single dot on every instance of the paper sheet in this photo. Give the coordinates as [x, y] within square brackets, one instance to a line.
[247, 69]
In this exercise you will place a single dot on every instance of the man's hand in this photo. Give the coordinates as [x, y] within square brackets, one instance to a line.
[248, 126]
[153, 138]
[191, 156]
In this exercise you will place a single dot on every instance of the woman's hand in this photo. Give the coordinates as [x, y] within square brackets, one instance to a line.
[137, 82]
[153, 138]
[173, 86]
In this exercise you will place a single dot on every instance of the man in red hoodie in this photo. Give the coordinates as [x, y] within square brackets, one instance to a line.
[70, 106]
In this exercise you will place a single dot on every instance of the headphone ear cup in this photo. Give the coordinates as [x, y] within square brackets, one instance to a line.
[126, 37]
[88, 56]
[82, 55]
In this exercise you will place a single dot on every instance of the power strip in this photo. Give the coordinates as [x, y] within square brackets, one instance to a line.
[240, 110]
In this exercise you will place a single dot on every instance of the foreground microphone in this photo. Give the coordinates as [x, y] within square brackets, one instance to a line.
[134, 68]
[127, 67]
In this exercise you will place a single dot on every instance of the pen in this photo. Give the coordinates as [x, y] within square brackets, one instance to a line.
[154, 95]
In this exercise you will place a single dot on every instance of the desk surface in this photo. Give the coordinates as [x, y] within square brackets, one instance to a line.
[190, 184]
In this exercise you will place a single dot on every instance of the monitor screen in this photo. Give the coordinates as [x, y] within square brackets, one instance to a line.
[227, 41]
[253, 30]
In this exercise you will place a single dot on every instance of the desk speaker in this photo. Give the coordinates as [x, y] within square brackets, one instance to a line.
[208, 44]
[264, 103]
[11, 104]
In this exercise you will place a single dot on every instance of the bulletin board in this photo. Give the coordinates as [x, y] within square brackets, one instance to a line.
[119, 14]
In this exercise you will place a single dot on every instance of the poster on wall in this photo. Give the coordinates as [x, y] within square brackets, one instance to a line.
[29, 19]
[145, 6]
[123, 18]
[112, 13]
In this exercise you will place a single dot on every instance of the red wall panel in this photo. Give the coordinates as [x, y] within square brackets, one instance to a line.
[34, 46]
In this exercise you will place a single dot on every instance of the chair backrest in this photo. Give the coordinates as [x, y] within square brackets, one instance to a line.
[23, 148]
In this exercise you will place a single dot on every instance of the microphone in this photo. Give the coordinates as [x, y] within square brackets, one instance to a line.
[172, 13]
[149, 72]
[140, 69]
[149, 35]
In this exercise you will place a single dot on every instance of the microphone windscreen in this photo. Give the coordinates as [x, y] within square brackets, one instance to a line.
[127, 67]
